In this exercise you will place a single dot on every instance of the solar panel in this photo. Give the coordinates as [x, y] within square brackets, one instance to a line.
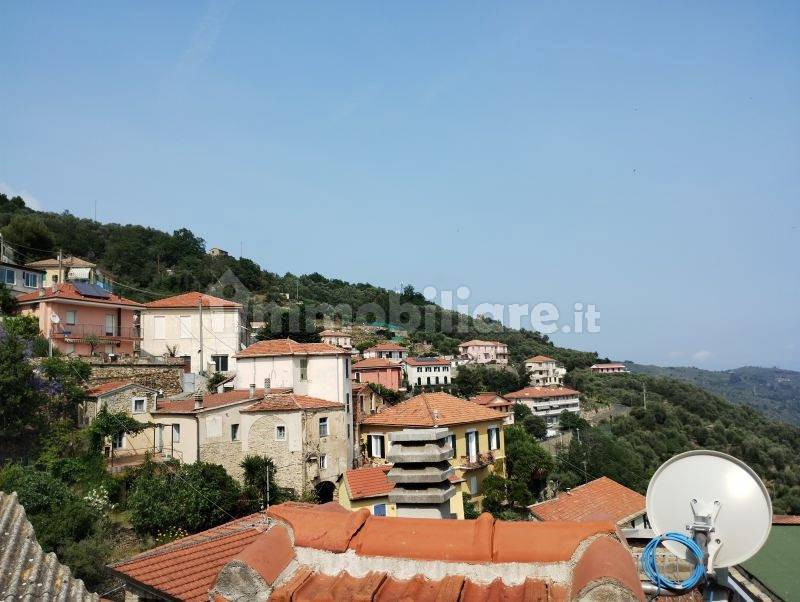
[91, 290]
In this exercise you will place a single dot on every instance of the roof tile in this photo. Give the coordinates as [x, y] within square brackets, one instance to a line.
[601, 499]
[66, 291]
[279, 347]
[542, 393]
[433, 409]
[191, 300]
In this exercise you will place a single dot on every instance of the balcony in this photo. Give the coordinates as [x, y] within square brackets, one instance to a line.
[82, 331]
[483, 459]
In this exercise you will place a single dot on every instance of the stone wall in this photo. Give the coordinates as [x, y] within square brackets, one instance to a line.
[228, 454]
[158, 376]
[290, 464]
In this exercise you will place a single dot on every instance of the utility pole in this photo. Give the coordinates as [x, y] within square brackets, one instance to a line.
[644, 395]
[60, 267]
[2, 248]
[200, 306]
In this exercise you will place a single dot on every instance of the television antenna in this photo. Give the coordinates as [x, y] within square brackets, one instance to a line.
[716, 501]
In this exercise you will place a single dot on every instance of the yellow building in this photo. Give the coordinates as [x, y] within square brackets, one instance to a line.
[477, 434]
[369, 488]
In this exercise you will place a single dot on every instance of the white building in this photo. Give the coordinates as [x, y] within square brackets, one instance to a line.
[545, 371]
[317, 370]
[427, 371]
[389, 351]
[177, 325]
[548, 402]
[612, 368]
[483, 352]
[20, 280]
[336, 337]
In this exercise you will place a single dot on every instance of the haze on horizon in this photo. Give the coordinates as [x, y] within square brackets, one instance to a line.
[643, 158]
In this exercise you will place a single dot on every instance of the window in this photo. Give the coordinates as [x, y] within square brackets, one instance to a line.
[185, 324]
[377, 446]
[217, 321]
[10, 277]
[138, 405]
[472, 446]
[176, 433]
[234, 432]
[452, 439]
[30, 279]
[55, 279]
[437, 380]
[110, 330]
[429, 380]
[323, 427]
[280, 433]
[347, 368]
[419, 380]
[110, 349]
[445, 380]
[70, 318]
[494, 438]
[159, 327]
[323, 461]
[379, 510]
[303, 369]
[118, 441]
[220, 362]
[347, 402]
[473, 485]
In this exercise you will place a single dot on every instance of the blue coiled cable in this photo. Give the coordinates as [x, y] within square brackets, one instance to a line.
[650, 568]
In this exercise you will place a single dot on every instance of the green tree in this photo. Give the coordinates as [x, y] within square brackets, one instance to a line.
[521, 411]
[535, 426]
[259, 480]
[22, 392]
[572, 421]
[30, 232]
[470, 512]
[8, 303]
[66, 378]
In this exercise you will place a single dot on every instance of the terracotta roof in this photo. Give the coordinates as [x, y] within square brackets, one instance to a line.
[478, 342]
[26, 572]
[609, 365]
[539, 359]
[191, 300]
[278, 347]
[187, 568]
[334, 333]
[541, 393]
[488, 399]
[427, 361]
[292, 401]
[211, 400]
[387, 347]
[107, 387]
[370, 481]
[66, 292]
[68, 262]
[375, 363]
[419, 411]
[601, 499]
[785, 519]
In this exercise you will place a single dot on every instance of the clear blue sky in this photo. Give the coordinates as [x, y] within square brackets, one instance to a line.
[644, 157]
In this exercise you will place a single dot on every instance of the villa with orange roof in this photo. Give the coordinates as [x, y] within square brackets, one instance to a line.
[83, 319]
[337, 337]
[483, 352]
[548, 403]
[428, 372]
[495, 401]
[545, 371]
[609, 368]
[389, 351]
[176, 325]
[476, 434]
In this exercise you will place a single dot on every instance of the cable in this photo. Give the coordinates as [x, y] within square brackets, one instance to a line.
[650, 567]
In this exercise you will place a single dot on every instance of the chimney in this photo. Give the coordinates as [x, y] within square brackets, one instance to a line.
[198, 400]
[252, 390]
[421, 471]
[267, 386]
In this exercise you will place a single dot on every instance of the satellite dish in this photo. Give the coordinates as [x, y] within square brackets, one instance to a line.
[709, 492]
[54, 318]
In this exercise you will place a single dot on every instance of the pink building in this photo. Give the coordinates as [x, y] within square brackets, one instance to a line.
[74, 315]
[378, 370]
[483, 352]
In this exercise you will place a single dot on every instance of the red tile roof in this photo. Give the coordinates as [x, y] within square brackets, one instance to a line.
[278, 347]
[488, 399]
[191, 300]
[785, 519]
[68, 262]
[539, 359]
[370, 481]
[601, 499]
[478, 342]
[433, 409]
[66, 291]
[356, 556]
[107, 387]
[387, 347]
[374, 363]
[211, 400]
[292, 401]
[334, 333]
[427, 361]
[609, 365]
[542, 393]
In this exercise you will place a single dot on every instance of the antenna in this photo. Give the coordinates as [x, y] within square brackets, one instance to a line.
[715, 500]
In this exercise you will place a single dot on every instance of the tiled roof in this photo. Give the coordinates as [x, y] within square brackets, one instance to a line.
[107, 387]
[191, 300]
[66, 292]
[334, 333]
[333, 554]
[292, 401]
[67, 262]
[493, 400]
[186, 569]
[387, 347]
[375, 362]
[211, 400]
[278, 347]
[610, 365]
[601, 499]
[538, 359]
[785, 519]
[427, 361]
[433, 409]
[478, 342]
[26, 572]
[542, 393]
[370, 481]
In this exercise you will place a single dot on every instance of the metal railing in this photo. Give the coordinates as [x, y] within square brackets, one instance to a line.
[81, 331]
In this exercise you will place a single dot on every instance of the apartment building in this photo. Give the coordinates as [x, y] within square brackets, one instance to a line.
[423, 372]
[548, 402]
[545, 371]
[483, 352]
[388, 351]
[378, 370]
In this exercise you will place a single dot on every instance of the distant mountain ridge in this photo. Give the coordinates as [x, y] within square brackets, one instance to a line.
[773, 391]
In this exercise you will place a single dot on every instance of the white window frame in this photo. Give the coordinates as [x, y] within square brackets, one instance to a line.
[144, 405]
[494, 438]
[217, 366]
[324, 421]
[176, 430]
[27, 277]
[323, 461]
[74, 319]
[278, 432]
[473, 435]
[185, 326]
[118, 441]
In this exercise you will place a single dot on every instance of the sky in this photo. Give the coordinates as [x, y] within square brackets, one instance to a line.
[640, 157]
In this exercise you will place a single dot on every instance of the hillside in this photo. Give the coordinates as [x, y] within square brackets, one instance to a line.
[773, 391]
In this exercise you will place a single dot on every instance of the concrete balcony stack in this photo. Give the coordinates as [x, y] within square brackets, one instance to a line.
[421, 471]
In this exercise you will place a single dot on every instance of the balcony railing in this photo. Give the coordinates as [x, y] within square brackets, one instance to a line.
[82, 331]
[483, 459]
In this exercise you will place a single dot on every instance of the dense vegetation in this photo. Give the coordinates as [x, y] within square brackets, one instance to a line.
[773, 391]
